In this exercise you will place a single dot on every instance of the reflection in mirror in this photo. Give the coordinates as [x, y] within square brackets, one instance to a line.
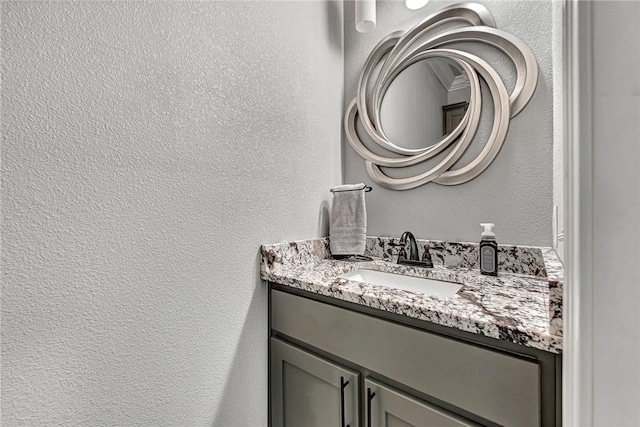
[425, 102]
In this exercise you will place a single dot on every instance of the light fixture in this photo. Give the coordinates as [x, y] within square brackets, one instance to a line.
[415, 4]
[365, 15]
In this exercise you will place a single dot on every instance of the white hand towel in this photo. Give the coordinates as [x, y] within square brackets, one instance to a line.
[348, 225]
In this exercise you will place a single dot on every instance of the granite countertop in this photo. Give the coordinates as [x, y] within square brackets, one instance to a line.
[523, 304]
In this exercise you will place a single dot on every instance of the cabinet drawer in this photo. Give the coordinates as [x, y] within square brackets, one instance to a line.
[493, 385]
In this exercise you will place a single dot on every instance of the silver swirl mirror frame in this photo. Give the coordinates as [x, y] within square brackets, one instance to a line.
[398, 51]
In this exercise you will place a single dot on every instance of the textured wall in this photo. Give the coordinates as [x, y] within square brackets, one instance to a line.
[558, 129]
[516, 191]
[148, 149]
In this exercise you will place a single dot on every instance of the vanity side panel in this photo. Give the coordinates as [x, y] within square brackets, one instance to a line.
[495, 386]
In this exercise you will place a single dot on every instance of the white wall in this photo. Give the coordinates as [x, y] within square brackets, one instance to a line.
[616, 215]
[148, 149]
[516, 191]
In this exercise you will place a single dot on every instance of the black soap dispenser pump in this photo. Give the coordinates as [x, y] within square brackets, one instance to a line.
[488, 251]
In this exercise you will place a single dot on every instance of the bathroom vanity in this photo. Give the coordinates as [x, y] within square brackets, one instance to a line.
[351, 353]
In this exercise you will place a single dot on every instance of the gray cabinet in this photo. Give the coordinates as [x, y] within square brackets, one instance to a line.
[308, 391]
[387, 407]
[440, 376]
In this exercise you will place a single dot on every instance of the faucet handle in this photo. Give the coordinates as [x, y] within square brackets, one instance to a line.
[402, 253]
[426, 258]
[426, 255]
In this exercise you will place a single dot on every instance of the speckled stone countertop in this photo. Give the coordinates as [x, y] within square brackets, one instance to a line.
[523, 304]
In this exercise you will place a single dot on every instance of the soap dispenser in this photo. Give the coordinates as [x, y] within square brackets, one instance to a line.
[488, 251]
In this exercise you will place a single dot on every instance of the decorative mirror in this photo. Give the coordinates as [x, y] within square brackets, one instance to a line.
[440, 114]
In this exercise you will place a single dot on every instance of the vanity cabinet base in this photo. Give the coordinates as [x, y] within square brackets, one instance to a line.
[470, 381]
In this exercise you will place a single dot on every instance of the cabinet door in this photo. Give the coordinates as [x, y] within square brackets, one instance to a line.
[391, 408]
[309, 391]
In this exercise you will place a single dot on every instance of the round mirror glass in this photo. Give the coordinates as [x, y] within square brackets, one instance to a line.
[425, 102]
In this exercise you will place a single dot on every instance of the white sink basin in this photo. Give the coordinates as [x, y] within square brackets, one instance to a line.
[406, 283]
